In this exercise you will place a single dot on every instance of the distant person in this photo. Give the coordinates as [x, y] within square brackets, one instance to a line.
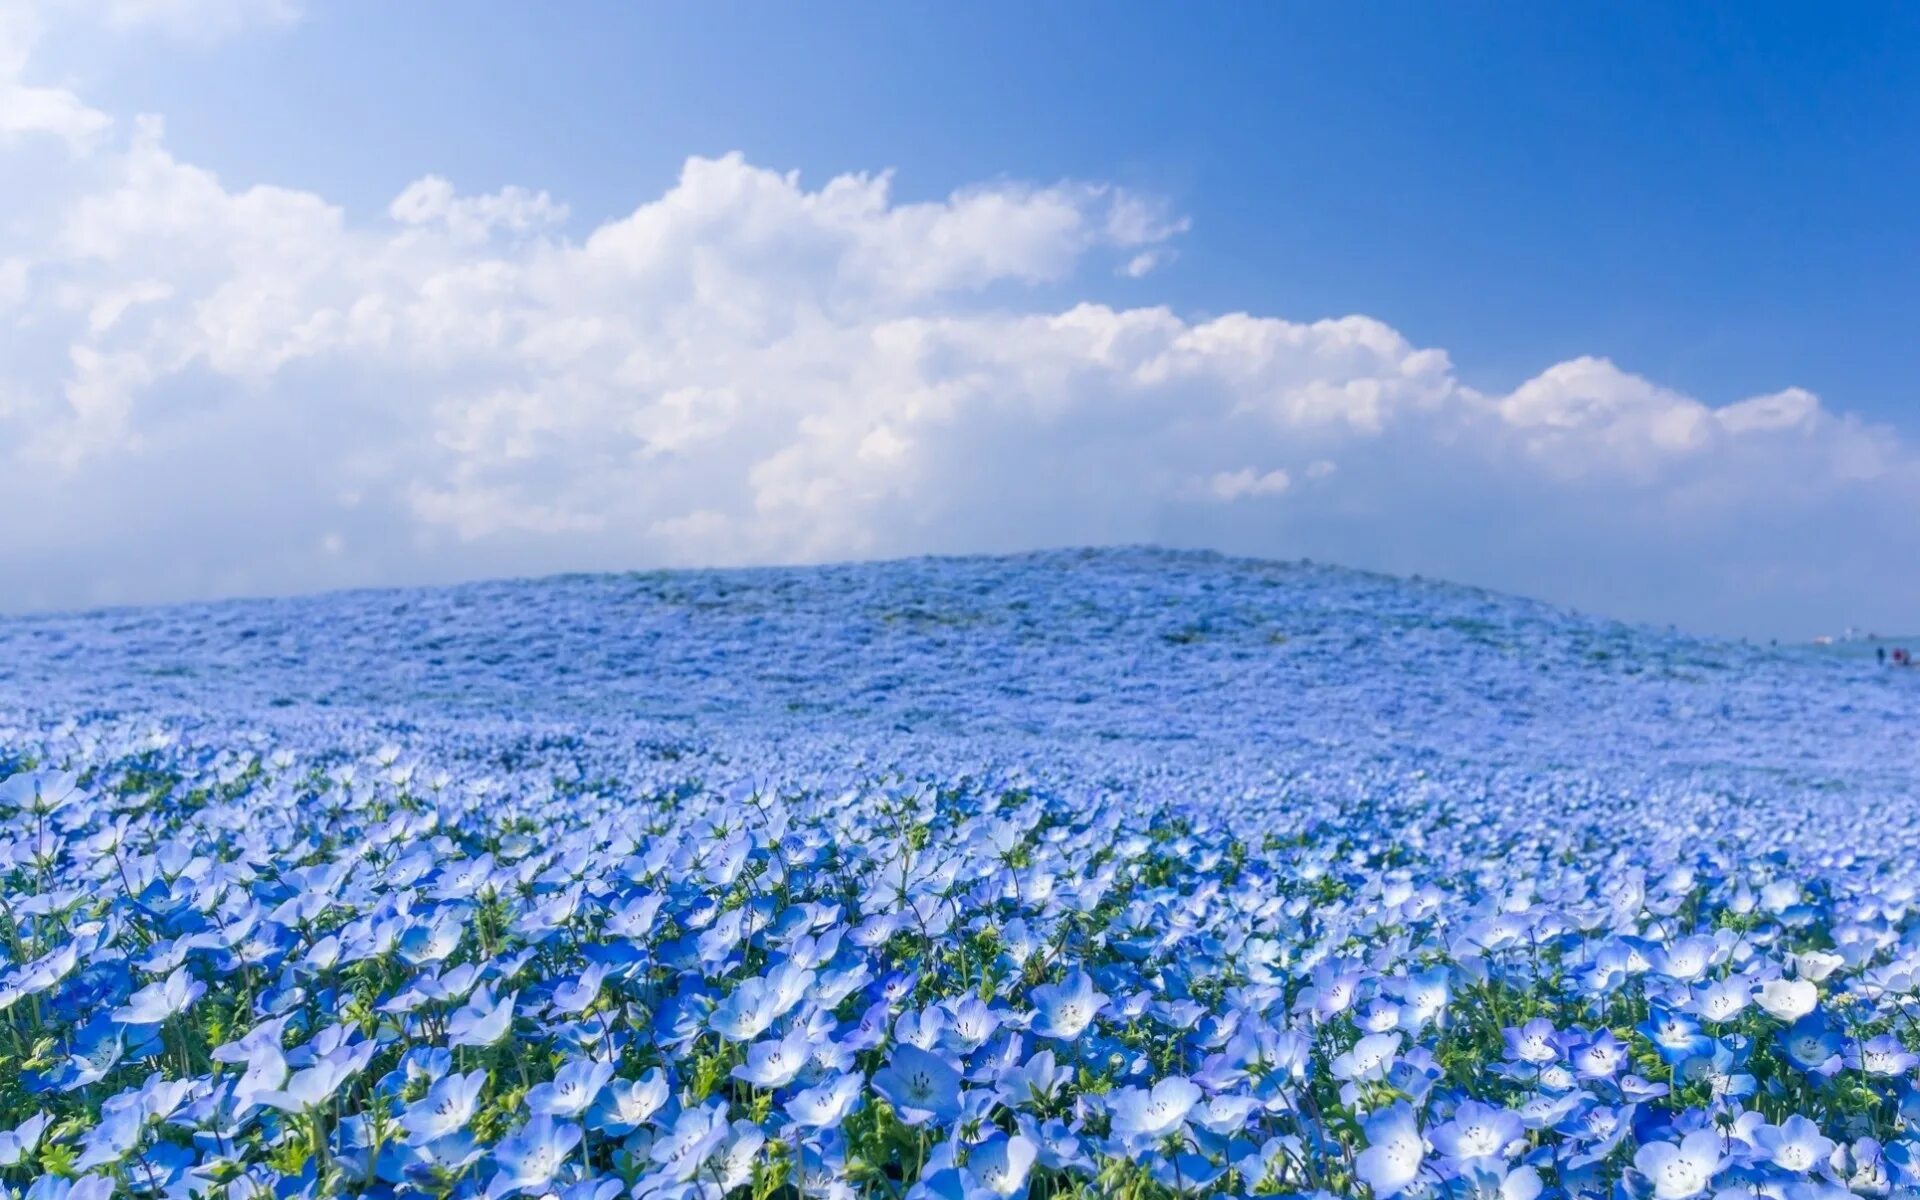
[1881, 653]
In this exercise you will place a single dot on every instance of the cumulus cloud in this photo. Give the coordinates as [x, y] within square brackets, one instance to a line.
[235, 387]
[1233, 485]
[28, 110]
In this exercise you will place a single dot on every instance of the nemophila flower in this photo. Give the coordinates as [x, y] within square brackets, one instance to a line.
[42, 975]
[1035, 1081]
[1680, 1171]
[116, 1135]
[1862, 1166]
[1796, 1144]
[268, 1033]
[39, 793]
[1722, 1000]
[1883, 1055]
[775, 1063]
[451, 985]
[311, 1087]
[633, 918]
[921, 1087]
[435, 1163]
[18, 1144]
[1001, 1164]
[483, 1022]
[435, 939]
[920, 1028]
[826, 1104]
[1142, 1114]
[1594, 1131]
[266, 1071]
[531, 1155]
[897, 987]
[1379, 1016]
[1815, 965]
[51, 1187]
[971, 1021]
[95, 1055]
[158, 1001]
[733, 1166]
[1335, 987]
[1600, 1057]
[1675, 1035]
[1488, 1179]
[696, 1135]
[1063, 1010]
[547, 916]
[1368, 1059]
[1724, 1070]
[1685, 959]
[572, 1088]
[446, 1108]
[1813, 1045]
[1476, 1131]
[574, 996]
[1425, 997]
[1535, 1042]
[626, 1104]
[1185, 1173]
[747, 1012]
[1788, 999]
[1545, 1110]
[1394, 1153]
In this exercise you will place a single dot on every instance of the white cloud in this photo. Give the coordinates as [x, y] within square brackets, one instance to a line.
[29, 110]
[238, 388]
[1234, 485]
[470, 219]
[1146, 262]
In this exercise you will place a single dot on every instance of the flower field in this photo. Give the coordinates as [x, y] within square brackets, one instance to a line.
[1120, 873]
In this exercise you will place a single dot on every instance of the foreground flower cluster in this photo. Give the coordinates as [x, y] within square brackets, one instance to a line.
[439, 924]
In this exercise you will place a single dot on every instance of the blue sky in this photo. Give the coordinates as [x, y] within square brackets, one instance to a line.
[1721, 197]
[442, 291]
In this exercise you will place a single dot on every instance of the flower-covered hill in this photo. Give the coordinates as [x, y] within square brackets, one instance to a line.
[1090, 873]
[1088, 656]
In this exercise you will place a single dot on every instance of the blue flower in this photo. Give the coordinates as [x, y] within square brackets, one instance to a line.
[483, 1022]
[624, 1105]
[1476, 1131]
[1883, 1055]
[1001, 1164]
[1676, 1036]
[826, 1104]
[921, 1087]
[1795, 1145]
[18, 1144]
[446, 1108]
[1678, 1172]
[531, 1155]
[1065, 1009]
[157, 1002]
[776, 1063]
[1395, 1151]
[1141, 1114]
[696, 1135]
[572, 1089]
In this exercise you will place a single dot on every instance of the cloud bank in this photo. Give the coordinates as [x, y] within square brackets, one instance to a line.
[210, 389]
